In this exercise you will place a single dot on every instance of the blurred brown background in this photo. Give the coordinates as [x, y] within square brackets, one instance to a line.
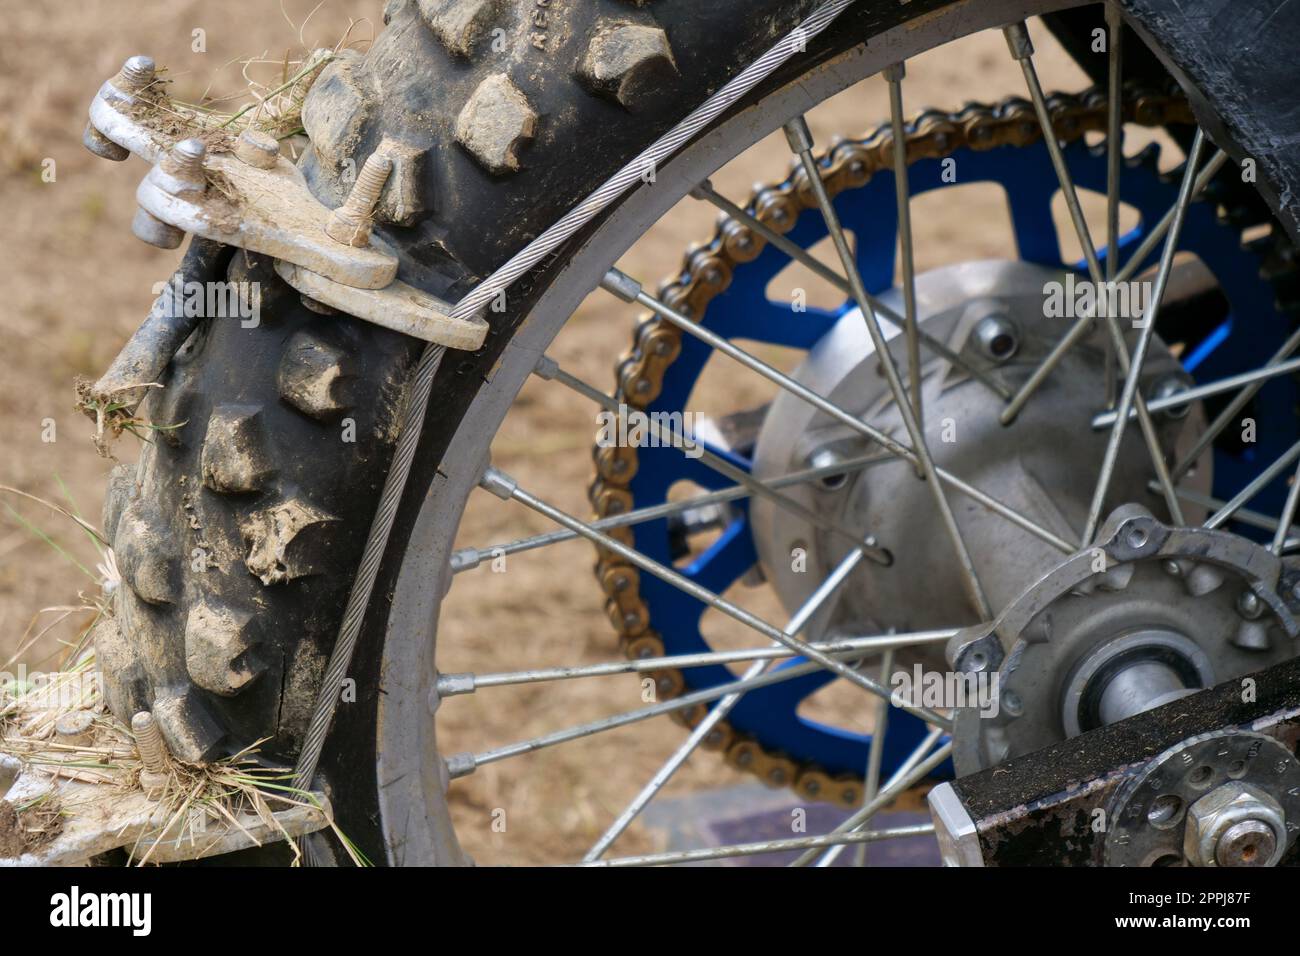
[76, 283]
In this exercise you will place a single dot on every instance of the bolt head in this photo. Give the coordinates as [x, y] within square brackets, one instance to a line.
[257, 148]
[75, 727]
[1167, 387]
[996, 337]
[1249, 605]
[153, 784]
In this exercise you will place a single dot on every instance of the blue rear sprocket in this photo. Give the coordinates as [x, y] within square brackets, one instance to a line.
[1252, 330]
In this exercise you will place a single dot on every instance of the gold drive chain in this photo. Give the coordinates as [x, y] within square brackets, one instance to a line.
[707, 271]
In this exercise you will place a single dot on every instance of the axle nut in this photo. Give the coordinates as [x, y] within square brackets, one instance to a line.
[1236, 824]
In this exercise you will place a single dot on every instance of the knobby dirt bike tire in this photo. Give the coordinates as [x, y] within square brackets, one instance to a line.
[238, 535]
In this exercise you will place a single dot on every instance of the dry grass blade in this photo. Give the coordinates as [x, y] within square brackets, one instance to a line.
[199, 804]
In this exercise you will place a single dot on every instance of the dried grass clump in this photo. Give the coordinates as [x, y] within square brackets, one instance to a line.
[194, 798]
[269, 97]
[104, 755]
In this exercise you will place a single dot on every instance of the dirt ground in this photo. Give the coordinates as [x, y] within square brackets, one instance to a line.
[76, 283]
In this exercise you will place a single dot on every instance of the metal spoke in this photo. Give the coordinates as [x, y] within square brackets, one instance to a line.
[1084, 322]
[1187, 396]
[1226, 417]
[1288, 514]
[888, 794]
[504, 487]
[1164, 482]
[1257, 484]
[902, 770]
[451, 685]
[1022, 49]
[801, 143]
[876, 750]
[466, 559]
[894, 77]
[1242, 515]
[705, 191]
[798, 621]
[1129, 394]
[1114, 164]
[463, 764]
[628, 289]
[549, 369]
[767, 846]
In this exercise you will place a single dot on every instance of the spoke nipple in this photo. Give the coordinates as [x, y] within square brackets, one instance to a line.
[546, 368]
[498, 483]
[1022, 48]
[895, 72]
[798, 135]
[460, 765]
[621, 284]
[451, 685]
[466, 559]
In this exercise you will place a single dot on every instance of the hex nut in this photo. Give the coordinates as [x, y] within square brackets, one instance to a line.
[1229, 808]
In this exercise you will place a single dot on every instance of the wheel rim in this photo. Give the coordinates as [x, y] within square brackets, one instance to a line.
[411, 777]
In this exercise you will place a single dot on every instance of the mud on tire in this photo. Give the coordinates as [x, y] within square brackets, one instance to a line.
[238, 535]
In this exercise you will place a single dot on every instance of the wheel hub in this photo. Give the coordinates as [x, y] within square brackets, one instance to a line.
[1147, 615]
[727, 284]
[1044, 464]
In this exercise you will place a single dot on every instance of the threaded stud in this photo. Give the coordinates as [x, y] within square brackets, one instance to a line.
[185, 159]
[350, 224]
[137, 73]
[153, 753]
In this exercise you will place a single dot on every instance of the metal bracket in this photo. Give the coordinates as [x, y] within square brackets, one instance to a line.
[397, 306]
[244, 194]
